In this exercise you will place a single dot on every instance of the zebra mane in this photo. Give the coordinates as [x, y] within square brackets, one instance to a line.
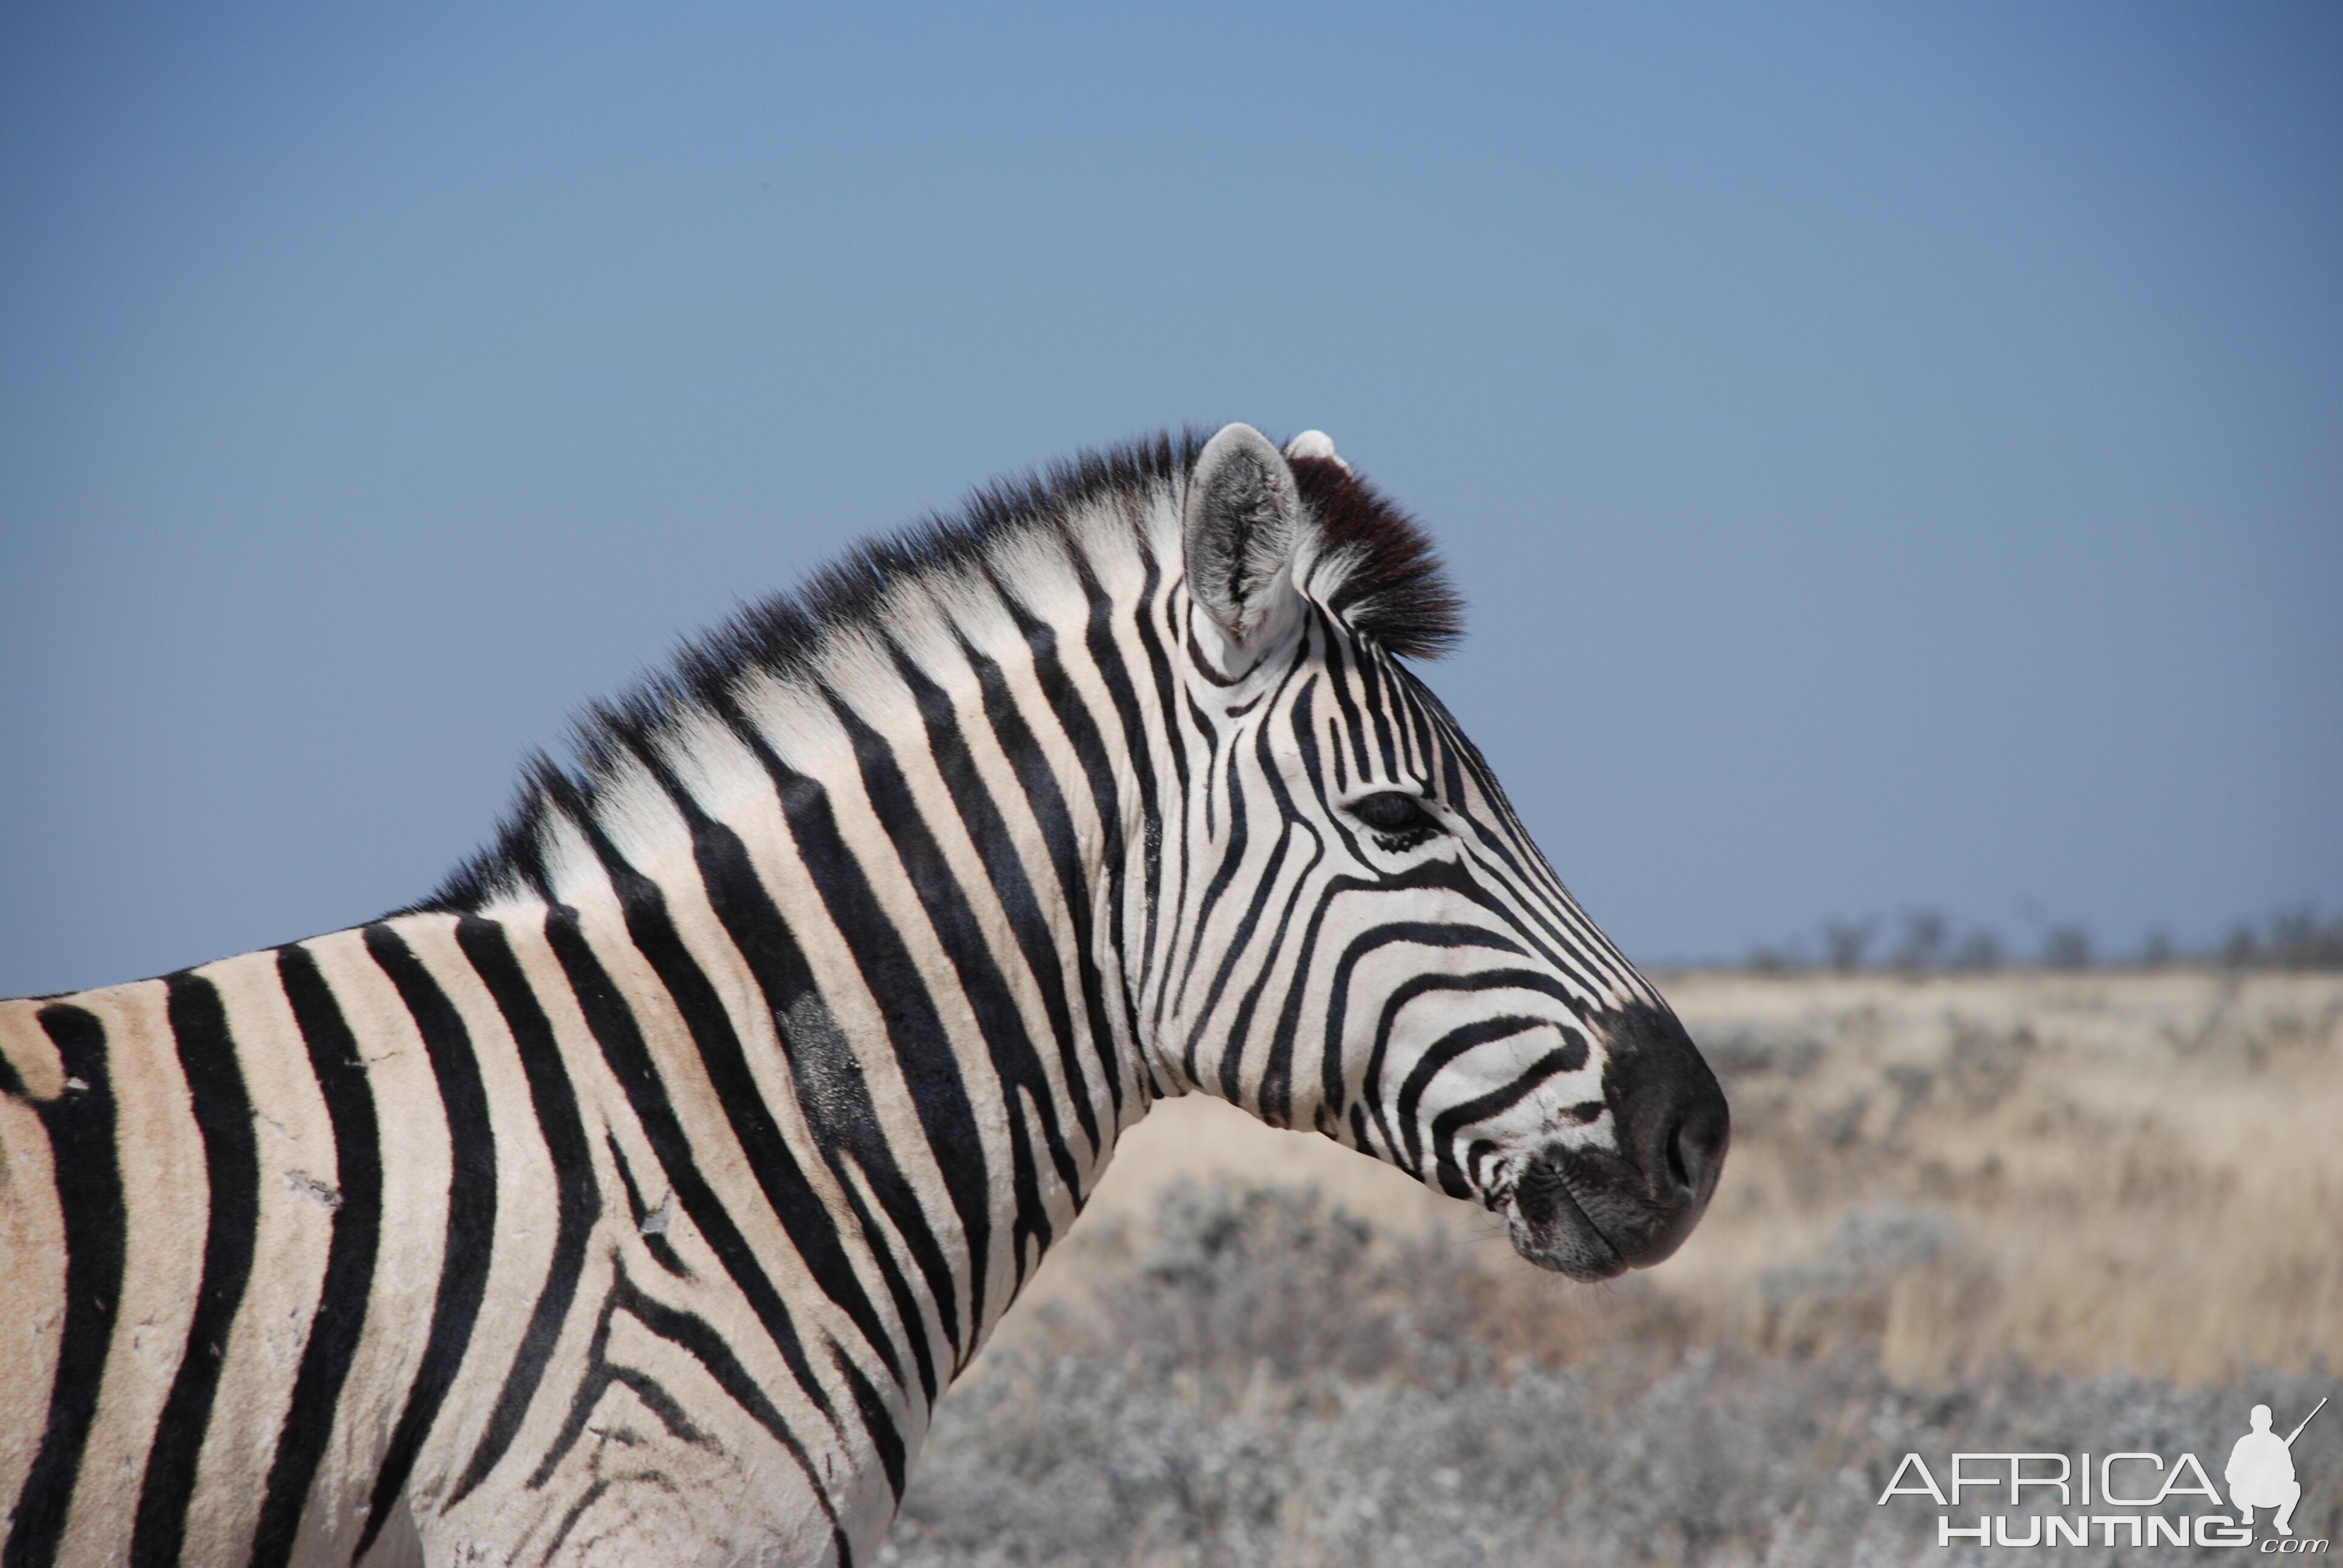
[1377, 571]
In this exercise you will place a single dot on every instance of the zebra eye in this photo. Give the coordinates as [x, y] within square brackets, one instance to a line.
[1394, 813]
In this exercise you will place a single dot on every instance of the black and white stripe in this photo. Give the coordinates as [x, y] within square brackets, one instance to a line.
[635, 1198]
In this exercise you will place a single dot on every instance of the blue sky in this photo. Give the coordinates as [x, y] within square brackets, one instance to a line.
[1891, 453]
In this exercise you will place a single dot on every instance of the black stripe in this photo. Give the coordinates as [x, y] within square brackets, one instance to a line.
[830, 1095]
[1231, 857]
[1373, 676]
[1456, 1042]
[1274, 1089]
[1239, 949]
[1106, 656]
[1009, 1043]
[223, 1109]
[471, 1214]
[614, 1027]
[600, 1374]
[1372, 1095]
[340, 1318]
[810, 1226]
[1099, 766]
[1423, 735]
[1340, 657]
[877, 1418]
[556, 1102]
[705, 1345]
[1278, 1077]
[1223, 875]
[922, 1049]
[1211, 738]
[1038, 782]
[1569, 1056]
[1028, 922]
[1176, 939]
[1275, 1093]
[1175, 744]
[660, 1249]
[1335, 1060]
[83, 1164]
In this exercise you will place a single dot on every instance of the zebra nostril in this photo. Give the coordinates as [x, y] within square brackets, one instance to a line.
[1694, 1147]
[1676, 1171]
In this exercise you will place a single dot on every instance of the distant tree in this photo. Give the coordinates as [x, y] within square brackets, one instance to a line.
[1846, 942]
[2066, 947]
[2296, 936]
[2300, 939]
[1924, 933]
[1979, 951]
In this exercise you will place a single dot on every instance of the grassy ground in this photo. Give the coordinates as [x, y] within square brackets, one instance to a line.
[2029, 1211]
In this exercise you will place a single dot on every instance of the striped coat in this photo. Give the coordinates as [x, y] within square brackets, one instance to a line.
[634, 1198]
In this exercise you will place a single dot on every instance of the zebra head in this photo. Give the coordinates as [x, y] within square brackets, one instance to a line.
[1366, 942]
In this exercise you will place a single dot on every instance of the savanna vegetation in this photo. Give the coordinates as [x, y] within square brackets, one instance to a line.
[2046, 1211]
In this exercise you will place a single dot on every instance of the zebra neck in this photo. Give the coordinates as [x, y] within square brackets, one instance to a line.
[927, 871]
[909, 870]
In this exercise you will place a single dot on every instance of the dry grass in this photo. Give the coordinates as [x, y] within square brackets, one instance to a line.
[2089, 1172]
[2047, 1211]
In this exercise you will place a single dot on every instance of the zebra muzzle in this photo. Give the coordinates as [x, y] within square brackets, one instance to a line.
[1593, 1212]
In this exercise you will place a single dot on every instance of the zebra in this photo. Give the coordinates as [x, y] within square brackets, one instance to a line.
[634, 1197]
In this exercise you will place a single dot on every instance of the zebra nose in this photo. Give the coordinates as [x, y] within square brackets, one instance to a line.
[1674, 1124]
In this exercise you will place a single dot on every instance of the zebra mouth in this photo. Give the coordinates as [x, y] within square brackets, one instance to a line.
[1547, 1225]
[1593, 1209]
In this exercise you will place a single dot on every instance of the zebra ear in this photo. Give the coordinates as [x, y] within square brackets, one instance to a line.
[1241, 517]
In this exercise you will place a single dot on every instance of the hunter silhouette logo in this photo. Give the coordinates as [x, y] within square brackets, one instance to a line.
[2127, 1498]
[2261, 1470]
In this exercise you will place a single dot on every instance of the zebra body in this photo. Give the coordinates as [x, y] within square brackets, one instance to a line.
[634, 1199]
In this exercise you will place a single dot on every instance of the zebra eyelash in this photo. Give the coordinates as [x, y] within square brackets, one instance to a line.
[1396, 818]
